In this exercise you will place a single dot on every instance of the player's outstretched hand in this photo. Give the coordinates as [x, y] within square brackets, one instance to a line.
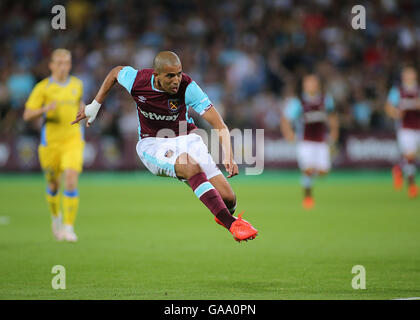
[231, 168]
[80, 115]
[88, 112]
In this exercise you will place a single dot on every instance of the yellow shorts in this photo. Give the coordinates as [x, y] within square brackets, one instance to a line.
[55, 159]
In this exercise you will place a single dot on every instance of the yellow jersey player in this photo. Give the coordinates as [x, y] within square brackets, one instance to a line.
[57, 100]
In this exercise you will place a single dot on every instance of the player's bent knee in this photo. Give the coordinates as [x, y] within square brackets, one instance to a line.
[193, 169]
[186, 166]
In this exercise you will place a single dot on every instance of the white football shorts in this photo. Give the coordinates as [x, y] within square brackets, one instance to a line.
[408, 140]
[313, 155]
[159, 154]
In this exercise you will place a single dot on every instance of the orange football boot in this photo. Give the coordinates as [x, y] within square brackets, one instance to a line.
[308, 203]
[413, 191]
[397, 177]
[242, 230]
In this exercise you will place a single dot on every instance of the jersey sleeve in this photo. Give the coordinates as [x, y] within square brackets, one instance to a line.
[196, 98]
[126, 77]
[394, 96]
[293, 109]
[329, 103]
[36, 98]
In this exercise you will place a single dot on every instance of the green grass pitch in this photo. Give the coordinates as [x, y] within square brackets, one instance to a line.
[146, 237]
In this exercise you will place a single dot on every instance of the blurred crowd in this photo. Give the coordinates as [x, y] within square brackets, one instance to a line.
[248, 56]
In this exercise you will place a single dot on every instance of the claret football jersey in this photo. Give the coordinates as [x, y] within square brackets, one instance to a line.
[158, 110]
[406, 100]
[310, 113]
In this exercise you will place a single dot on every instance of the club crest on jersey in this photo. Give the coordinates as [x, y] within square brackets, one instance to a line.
[169, 153]
[174, 105]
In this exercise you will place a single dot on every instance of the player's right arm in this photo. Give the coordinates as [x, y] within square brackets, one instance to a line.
[287, 130]
[123, 75]
[391, 105]
[34, 106]
[290, 113]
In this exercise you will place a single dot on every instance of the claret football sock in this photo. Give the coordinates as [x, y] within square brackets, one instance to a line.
[211, 198]
[231, 207]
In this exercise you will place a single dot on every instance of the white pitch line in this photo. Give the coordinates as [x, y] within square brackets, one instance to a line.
[4, 220]
[411, 298]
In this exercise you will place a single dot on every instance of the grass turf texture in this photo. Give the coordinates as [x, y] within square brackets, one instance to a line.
[145, 237]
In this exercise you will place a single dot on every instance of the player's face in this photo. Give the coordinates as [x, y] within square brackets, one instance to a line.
[60, 66]
[311, 85]
[409, 77]
[170, 79]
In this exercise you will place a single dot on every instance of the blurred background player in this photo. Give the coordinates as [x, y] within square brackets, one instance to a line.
[57, 100]
[163, 96]
[403, 105]
[313, 110]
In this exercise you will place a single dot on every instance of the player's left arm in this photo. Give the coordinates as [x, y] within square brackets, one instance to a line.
[213, 117]
[333, 121]
[200, 102]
